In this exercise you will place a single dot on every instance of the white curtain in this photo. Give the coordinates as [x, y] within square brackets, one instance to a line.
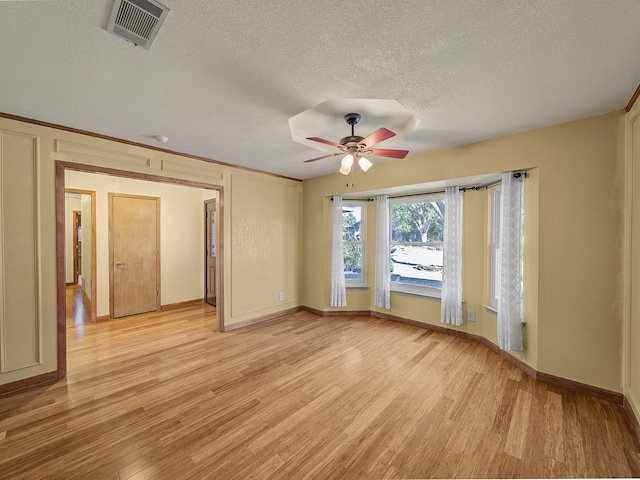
[510, 282]
[338, 288]
[451, 301]
[381, 296]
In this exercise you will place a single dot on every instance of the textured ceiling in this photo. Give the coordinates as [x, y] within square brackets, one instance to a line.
[222, 78]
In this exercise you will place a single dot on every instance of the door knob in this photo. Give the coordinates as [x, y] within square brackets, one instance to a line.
[119, 264]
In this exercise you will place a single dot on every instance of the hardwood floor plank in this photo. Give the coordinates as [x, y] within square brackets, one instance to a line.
[428, 440]
[165, 396]
[633, 460]
[502, 419]
[572, 437]
[517, 434]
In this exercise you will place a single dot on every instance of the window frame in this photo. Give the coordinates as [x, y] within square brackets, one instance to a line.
[397, 287]
[362, 281]
[496, 196]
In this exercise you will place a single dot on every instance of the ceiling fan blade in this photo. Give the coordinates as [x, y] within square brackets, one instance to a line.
[322, 140]
[385, 152]
[324, 156]
[376, 137]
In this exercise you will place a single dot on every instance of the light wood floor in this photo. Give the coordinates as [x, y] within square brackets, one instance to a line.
[78, 307]
[165, 396]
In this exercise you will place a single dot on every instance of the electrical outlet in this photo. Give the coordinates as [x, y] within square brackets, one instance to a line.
[282, 296]
[471, 315]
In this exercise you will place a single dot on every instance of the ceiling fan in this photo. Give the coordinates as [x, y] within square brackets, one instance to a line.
[354, 146]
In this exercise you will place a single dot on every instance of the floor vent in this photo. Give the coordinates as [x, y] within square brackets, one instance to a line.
[137, 21]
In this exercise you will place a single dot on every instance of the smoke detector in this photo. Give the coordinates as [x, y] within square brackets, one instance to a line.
[137, 21]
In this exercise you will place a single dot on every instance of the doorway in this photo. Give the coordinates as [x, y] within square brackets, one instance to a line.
[80, 246]
[210, 261]
[61, 167]
[77, 245]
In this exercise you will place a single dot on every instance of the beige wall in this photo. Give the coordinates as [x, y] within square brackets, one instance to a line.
[631, 331]
[257, 206]
[27, 334]
[266, 234]
[573, 241]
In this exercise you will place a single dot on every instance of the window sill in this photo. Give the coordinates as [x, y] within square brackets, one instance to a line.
[490, 308]
[494, 310]
[431, 294]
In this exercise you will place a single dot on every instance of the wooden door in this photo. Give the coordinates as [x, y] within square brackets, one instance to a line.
[134, 236]
[211, 253]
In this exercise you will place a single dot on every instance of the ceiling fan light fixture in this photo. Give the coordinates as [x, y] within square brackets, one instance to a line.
[346, 164]
[364, 164]
[347, 161]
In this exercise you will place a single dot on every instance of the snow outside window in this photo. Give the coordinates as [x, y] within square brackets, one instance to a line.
[417, 230]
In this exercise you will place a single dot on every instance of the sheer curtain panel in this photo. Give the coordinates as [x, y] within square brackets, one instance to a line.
[510, 282]
[338, 288]
[451, 300]
[382, 296]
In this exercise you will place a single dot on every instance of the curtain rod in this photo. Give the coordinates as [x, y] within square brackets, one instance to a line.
[356, 199]
[491, 184]
[462, 189]
[481, 187]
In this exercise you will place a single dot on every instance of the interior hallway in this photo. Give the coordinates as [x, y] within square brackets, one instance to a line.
[78, 307]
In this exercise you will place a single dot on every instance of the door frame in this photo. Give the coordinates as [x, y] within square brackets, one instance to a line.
[94, 290]
[61, 166]
[111, 196]
[206, 250]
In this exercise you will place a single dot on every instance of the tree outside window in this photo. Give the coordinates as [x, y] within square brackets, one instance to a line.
[417, 230]
[353, 240]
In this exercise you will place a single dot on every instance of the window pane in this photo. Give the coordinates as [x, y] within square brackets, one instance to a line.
[495, 250]
[417, 265]
[353, 242]
[417, 222]
[352, 261]
[351, 223]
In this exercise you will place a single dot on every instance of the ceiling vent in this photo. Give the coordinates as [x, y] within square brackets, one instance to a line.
[137, 21]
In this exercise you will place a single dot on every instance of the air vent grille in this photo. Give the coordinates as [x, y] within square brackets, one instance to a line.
[137, 21]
